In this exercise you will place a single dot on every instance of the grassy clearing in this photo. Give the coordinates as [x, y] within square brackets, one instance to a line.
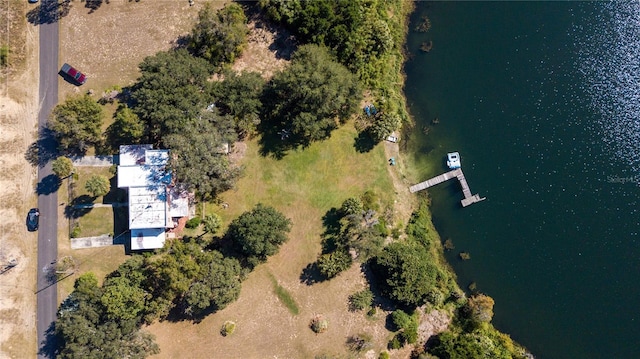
[284, 296]
[304, 185]
[322, 176]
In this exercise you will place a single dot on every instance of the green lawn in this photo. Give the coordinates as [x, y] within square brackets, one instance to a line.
[312, 180]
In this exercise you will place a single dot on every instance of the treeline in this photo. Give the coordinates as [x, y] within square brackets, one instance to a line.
[186, 280]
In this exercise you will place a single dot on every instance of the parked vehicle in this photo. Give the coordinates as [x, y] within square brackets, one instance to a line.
[33, 219]
[77, 76]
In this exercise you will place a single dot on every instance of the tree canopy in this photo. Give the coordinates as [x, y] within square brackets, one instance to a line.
[127, 128]
[62, 167]
[239, 96]
[309, 97]
[406, 273]
[198, 159]
[76, 124]
[171, 91]
[219, 36]
[219, 285]
[98, 185]
[259, 232]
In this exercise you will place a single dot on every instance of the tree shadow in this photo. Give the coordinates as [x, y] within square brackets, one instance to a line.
[364, 142]
[43, 150]
[116, 195]
[331, 221]
[379, 300]
[273, 145]
[79, 207]
[48, 12]
[311, 274]
[48, 185]
[49, 348]
[94, 5]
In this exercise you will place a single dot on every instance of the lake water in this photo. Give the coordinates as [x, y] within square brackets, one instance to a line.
[542, 100]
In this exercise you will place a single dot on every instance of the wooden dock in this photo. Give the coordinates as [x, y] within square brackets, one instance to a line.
[469, 199]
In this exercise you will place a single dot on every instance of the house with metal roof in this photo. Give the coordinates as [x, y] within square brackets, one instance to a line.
[155, 202]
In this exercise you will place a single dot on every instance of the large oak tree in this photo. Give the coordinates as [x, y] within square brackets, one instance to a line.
[311, 96]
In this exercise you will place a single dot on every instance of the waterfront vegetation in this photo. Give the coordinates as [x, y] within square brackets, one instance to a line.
[303, 158]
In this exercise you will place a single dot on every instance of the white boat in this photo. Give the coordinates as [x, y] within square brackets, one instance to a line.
[453, 160]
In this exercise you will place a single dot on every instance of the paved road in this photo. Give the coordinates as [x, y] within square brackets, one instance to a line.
[47, 292]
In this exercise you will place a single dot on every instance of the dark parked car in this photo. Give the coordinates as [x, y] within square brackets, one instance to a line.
[77, 76]
[33, 218]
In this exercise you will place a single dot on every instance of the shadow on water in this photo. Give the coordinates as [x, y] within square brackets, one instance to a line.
[48, 12]
[48, 185]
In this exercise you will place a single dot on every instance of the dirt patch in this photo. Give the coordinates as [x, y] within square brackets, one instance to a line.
[268, 50]
[404, 201]
[432, 323]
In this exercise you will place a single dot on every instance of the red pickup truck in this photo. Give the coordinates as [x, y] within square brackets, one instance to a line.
[76, 75]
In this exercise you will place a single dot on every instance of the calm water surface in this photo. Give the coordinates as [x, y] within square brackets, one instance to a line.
[542, 100]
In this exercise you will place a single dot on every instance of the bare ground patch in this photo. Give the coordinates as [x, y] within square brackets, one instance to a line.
[268, 50]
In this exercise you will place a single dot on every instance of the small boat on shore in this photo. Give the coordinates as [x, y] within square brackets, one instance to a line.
[453, 160]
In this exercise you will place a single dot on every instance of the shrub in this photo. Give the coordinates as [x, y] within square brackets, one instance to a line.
[384, 355]
[370, 201]
[75, 231]
[408, 326]
[360, 300]
[351, 206]
[319, 324]
[228, 328]
[395, 343]
[193, 223]
[331, 264]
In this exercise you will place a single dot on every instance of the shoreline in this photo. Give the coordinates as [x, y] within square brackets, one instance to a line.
[403, 175]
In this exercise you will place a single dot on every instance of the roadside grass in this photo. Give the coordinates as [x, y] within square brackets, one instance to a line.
[12, 35]
[284, 296]
[92, 222]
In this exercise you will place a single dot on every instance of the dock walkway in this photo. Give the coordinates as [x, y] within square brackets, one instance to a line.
[469, 198]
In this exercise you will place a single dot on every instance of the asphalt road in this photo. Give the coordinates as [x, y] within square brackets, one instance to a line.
[47, 290]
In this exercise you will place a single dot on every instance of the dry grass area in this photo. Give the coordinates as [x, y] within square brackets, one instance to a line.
[109, 43]
[18, 120]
